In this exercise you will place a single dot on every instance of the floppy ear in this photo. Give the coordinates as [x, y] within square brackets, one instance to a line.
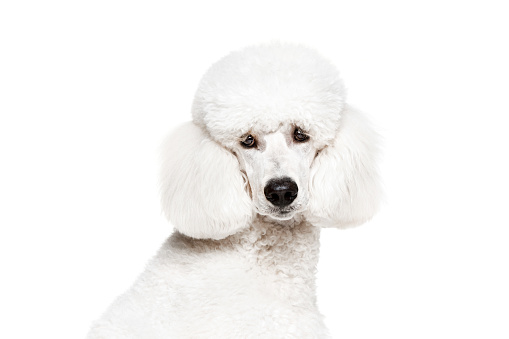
[202, 189]
[344, 187]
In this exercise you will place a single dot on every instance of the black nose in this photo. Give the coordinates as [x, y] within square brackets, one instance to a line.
[281, 192]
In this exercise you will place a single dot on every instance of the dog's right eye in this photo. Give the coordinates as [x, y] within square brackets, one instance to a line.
[249, 141]
[299, 135]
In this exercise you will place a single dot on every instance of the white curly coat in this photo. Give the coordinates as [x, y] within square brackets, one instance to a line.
[236, 266]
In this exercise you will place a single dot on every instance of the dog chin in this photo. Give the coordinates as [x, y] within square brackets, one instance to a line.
[282, 215]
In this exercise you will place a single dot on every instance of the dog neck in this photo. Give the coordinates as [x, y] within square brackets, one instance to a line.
[289, 247]
[275, 243]
[284, 252]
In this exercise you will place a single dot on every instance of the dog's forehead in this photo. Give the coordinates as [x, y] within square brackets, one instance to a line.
[261, 88]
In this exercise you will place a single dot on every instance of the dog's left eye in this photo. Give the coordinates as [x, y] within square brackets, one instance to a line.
[299, 135]
[249, 141]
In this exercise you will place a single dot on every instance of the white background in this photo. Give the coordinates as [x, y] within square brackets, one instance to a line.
[89, 89]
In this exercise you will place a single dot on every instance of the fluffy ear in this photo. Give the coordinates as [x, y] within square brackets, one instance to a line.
[202, 189]
[344, 187]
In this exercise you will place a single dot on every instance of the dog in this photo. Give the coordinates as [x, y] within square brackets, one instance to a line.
[272, 155]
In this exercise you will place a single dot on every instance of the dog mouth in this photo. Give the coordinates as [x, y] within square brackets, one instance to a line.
[280, 213]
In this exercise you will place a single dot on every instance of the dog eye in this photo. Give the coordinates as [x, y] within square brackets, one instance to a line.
[299, 135]
[249, 141]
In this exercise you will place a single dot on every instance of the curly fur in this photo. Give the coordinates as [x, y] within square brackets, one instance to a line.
[233, 268]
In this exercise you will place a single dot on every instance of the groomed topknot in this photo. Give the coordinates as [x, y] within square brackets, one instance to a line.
[262, 86]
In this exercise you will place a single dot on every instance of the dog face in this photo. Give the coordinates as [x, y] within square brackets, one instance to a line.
[277, 166]
[271, 135]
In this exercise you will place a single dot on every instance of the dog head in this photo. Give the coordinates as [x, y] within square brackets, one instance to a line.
[271, 135]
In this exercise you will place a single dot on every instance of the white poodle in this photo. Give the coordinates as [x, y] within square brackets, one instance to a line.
[272, 155]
